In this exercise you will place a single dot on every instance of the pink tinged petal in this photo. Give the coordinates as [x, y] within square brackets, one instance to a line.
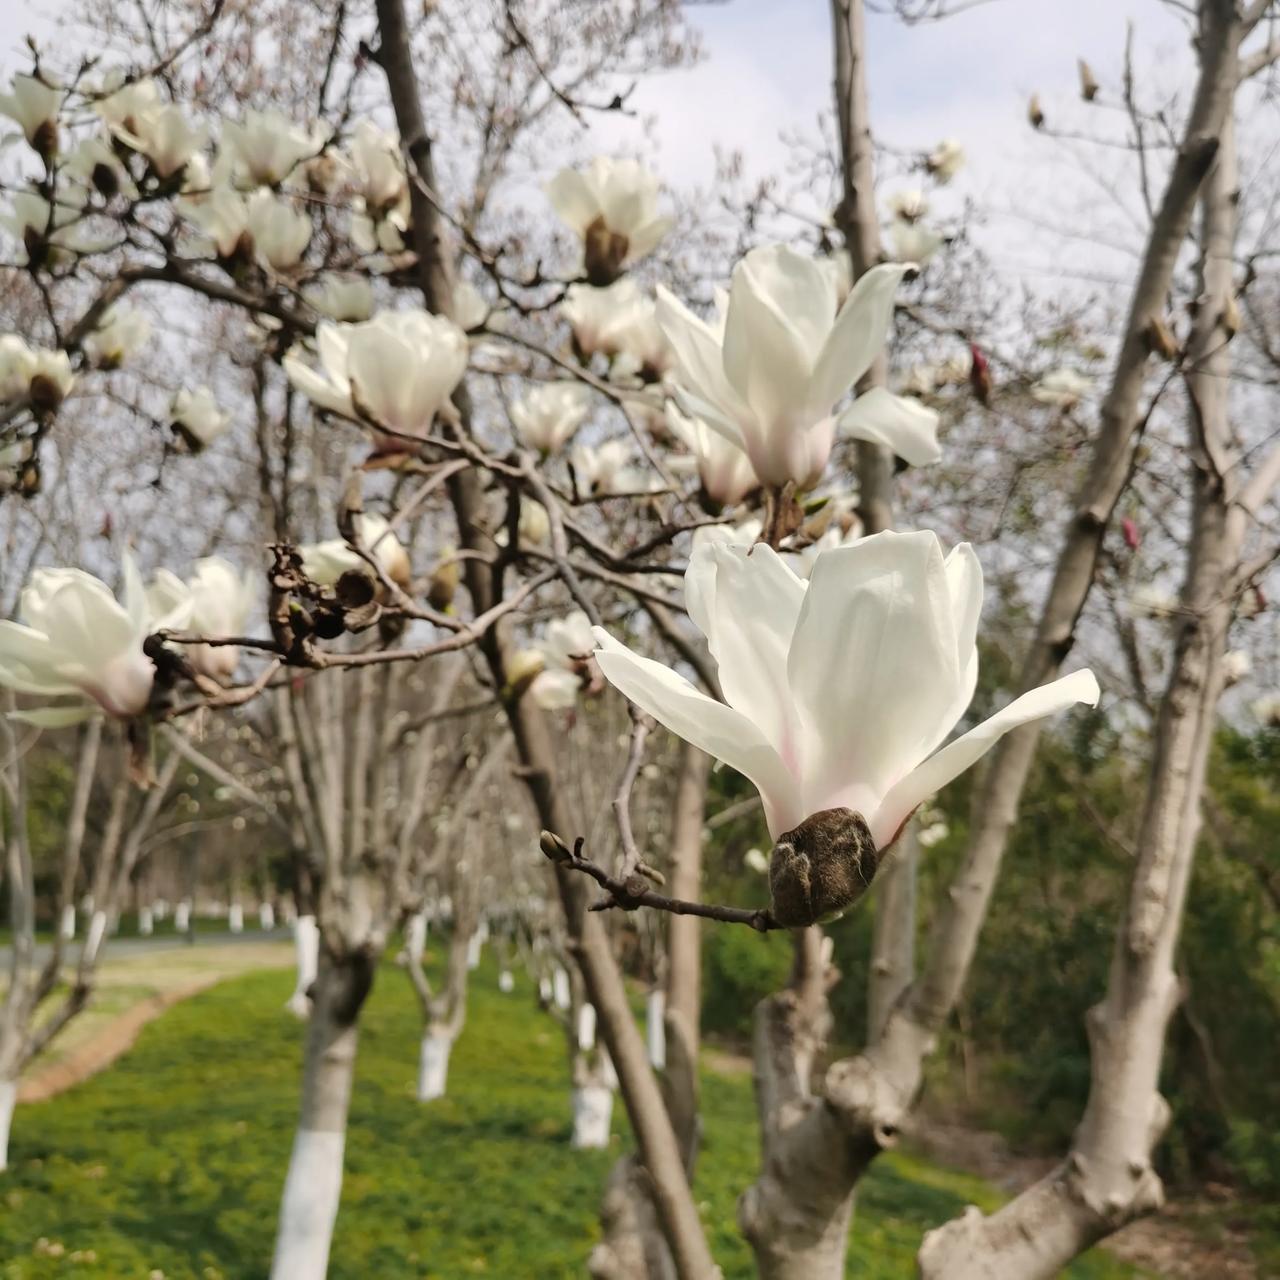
[858, 334]
[905, 796]
[718, 730]
[899, 423]
[873, 666]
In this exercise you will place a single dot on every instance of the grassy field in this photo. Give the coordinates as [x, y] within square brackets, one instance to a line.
[171, 1162]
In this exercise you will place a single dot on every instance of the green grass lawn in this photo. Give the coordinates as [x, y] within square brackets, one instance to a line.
[172, 1161]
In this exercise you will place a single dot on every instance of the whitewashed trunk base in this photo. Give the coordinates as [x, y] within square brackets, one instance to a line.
[182, 917]
[97, 931]
[266, 916]
[306, 945]
[68, 927]
[235, 918]
[309, 1206]
[586, 1027]
[474, 944]
[433, 1066]
[146, 926]
[560, 989]
[592, 1113]
[415, 936]
[655, 1011]
[8, 1100]
[506, 983]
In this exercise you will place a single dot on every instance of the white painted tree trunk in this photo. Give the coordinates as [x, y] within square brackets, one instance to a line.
[506, 983]
[560, 989]
[474, 944]
[160, 909]
[545, 991]
[592, 1115]
[182, 916]
[586, 1027]
[266, 916]
[306, 944]
[309, 1207]
[8, 1100]
[433, 1065]
[97, 931]
[235, 918]
[146, 927]
[655, 1012]
[68, 926]
[415, 937]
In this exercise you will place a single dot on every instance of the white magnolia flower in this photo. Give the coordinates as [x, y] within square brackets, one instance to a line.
[756, 860]
[76, 640]
[934, 833]
[121, 331]
[348, 298]
[164, 135]
[381, 235]
[565, 649]
[1154, 602]
[1236, 665]
[838, 267]
[555, 690]
[280, 232]
[470, 310]
[608, 469]
[376, 166]
[35, 225]
[768, 374]
[264, 148]
[600, 318]
[122, 110]
[535, 524]
[840, 691]
[801, 560]
[913, 241]
[42, 374]
[17, 364]
[945, 160]
[723, 468]
[1062, 387]
[325, 562]
[221, 600]
[1267, 709]
[223, 215]
[394, 371]
[547, 417]
[96, 165]
[34, 105]
[909, 206]
[613, 206]
[196, 418]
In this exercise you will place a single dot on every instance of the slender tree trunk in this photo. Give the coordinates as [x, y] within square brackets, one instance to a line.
[8, 1100]
[306, 945]
[893, 943]
[314, 1182]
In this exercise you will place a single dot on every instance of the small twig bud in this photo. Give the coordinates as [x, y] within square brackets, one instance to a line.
[554, 848]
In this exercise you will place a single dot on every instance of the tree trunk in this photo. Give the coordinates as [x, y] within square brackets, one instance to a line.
[893, 943]
[306, 945]
[314, 1183]
[8, 1100]
[433, 1063]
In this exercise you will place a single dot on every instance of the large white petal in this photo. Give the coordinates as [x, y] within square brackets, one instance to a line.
[934, 774]
[573, 199]
[873, 666]
[899, 423]
[57, 717]
[699, 353]
[318, 390]
[857, 335]
[718, 730]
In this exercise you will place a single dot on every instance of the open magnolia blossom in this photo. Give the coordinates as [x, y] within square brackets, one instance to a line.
[471, 309]
[223, 215]
[913, 241]
[43, 375]
[613, 206]
[723, 468]
[96, 165]
[768, 373]
[220, 601]
[910, 205]
[565, 649]
[1267, 709]
[599, 317]
[644, 353]
[608, 469]
[76, 640]
[42, 230]
[280, 232]
[376, 166]
[265, 147]
[34, 105]
[325, 562]
[196, 419]
[945, 160]
[383, 234]
[160, 131]
[121, 331]
[547, 417]
[392, 372]
[1062, 387]
[838, 692]
[347, 298]
[1236, 664]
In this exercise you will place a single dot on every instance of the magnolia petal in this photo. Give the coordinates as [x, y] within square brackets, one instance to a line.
[899, 423]
[699, 353]
[572, 198]
[56, 717]
[318, 390]
[934, 774]
[718, 730]
[857, 335]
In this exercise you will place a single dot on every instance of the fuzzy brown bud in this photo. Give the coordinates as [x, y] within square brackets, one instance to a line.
[603, 253]
[821, 868]
[1034, 113]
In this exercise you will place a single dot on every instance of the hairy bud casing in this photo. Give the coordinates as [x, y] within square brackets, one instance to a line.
[820, 868]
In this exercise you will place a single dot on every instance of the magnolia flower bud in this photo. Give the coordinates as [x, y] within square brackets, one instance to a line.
[1160, 339]
[603, 253]
[821, 868]
[980, 375]
[1034, 114]
[522, 669]
[444, 582]
[1088, 83]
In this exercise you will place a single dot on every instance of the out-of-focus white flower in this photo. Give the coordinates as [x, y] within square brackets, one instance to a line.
[43, 231]
[348, 298]
[280, 232]
[909, 206]
[122, 110]
[607, 469]
[756, 860]
[1236, 665]
[376, 166]
[913, 241]
[801, 560]
[567, 668]
[1062, 387]
[223, 215]
[34, 105]
[613, 206]
[945, 160]
[94, 164]
[746, 534]
[383, 234]
[723, 468]
[76, 640]
[196, 419]
[1154, 602]
[934, 833]
[599, 317]
[535, 524]
[838, 268]
[265, 147]
[121, 331]
[643, 349]
[392, 372]
[164, 135]
[837, 692]
[43, 375]
[547, 417]
[1267, 709]
[325, 562]
[221, 600]
[767, 375]
[470, 310]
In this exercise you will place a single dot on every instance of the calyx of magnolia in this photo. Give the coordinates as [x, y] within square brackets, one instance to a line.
[603, 253]
[821, 868]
